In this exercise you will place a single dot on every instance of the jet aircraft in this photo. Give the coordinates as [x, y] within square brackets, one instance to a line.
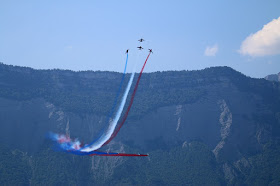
[141, 40]
[127, 51]
[140, 48]
[150, 50]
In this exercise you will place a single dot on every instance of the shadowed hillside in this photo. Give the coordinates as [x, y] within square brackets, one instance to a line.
[209, 127]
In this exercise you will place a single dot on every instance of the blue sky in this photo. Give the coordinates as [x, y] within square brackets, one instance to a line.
[93, 35]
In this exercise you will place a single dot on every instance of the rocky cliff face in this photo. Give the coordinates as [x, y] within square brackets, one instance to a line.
[235, 118]
[273, 77]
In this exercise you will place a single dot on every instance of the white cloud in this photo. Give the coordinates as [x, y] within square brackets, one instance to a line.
[264, 42]
[211, 50]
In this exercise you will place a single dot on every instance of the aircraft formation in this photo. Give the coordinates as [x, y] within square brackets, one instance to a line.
[66, 144]
[140, 47]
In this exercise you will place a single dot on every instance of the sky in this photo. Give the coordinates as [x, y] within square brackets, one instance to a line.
[184, 34]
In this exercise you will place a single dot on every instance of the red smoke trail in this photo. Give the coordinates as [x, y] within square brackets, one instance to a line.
[119, 154]
[130, 104]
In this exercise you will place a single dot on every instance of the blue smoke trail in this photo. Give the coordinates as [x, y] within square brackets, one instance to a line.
[109, 116]
[119, 90]
[106, 136]
[74, 146]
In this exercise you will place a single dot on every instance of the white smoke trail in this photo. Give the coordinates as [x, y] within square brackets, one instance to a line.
[68, 144]
[98, 144]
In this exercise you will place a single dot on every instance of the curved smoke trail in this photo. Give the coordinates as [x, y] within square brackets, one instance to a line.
[67, 144]
[106, 136]
[109, 116]
[130, 104]
[74, 147]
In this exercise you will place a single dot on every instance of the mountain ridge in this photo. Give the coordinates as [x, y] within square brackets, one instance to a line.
[273, 77]
[216, 115]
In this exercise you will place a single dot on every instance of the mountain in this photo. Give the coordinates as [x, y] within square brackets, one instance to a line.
[208, 127]
[273, 77]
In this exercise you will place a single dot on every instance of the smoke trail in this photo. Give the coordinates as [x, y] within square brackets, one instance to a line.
[130, 104]
[74, 145]
[105, 137]
[99, 153]
[67, 144]
[119, 90]
[117, 154]
[109, 116]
